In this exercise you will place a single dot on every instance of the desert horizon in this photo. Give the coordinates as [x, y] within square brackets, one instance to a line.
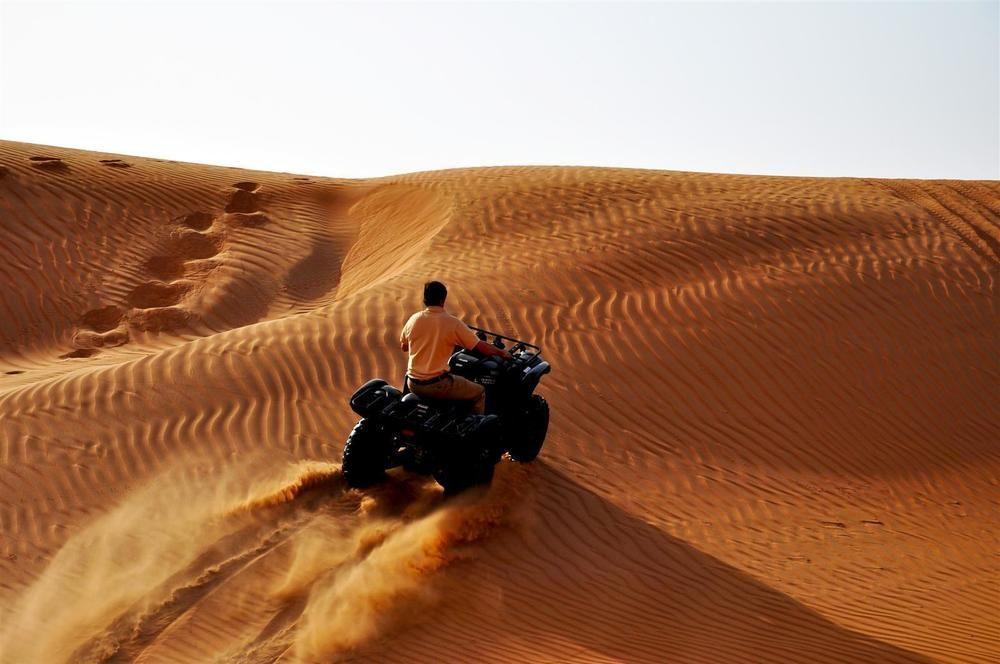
[773, 416]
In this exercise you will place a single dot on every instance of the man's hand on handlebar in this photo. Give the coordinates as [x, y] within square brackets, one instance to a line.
[489, 349]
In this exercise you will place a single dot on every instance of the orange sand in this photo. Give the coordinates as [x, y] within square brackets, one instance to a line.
[774, 433]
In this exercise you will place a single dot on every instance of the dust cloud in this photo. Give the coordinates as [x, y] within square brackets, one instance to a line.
[356, 564]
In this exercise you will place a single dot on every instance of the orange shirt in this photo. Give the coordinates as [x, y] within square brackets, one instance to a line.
[432, 335]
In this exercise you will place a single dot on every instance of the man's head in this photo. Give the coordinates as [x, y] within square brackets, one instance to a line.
[435, 294]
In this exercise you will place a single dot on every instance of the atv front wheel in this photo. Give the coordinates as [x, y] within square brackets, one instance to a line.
[527, 432]
[365, 456]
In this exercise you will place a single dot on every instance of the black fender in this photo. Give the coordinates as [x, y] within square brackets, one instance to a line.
[373, 396]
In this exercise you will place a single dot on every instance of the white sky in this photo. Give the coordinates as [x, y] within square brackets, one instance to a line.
[906, 89]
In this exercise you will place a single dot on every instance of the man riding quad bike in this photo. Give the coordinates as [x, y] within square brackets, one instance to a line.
[466, 401]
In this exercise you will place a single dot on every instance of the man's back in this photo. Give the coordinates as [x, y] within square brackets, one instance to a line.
[431, 336]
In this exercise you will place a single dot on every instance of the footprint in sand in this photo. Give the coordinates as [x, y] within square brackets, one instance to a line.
[191, 245]
[89, 340]
[115, 163]
[198, 221]
[246, 219]
[78, 353]
[157, 294]
[244, 199]
[164, 267]
[244, 207]
[153, 301]
[48, 163]
[160, 319]
[4, 172]
[185, 246]
[98, 328]
[102, 319]
[153, 306]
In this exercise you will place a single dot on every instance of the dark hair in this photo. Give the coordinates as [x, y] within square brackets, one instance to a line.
[435, 294]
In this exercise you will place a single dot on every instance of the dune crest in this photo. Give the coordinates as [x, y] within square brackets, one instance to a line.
[774, 432]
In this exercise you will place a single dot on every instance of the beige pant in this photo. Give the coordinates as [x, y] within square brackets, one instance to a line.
[453, 388]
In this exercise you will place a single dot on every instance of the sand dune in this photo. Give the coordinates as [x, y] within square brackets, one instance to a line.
[774, 431]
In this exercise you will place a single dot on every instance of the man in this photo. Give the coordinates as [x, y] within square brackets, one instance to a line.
[430, 337]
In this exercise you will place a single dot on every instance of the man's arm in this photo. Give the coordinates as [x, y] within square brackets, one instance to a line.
[489, 349]
[467, 339]
[404, 342]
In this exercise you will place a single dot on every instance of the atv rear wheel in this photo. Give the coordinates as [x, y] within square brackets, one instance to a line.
[365, 455]
[464, 472]
[526, 434]
[470, 462]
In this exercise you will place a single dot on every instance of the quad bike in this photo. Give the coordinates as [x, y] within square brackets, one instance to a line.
[443, 438]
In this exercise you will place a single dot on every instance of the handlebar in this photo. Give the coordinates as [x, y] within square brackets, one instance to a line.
[499, 338]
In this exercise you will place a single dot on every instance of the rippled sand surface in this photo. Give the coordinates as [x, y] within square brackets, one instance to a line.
[774, 424]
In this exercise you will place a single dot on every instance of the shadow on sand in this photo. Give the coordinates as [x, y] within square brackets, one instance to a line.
[580, 578]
